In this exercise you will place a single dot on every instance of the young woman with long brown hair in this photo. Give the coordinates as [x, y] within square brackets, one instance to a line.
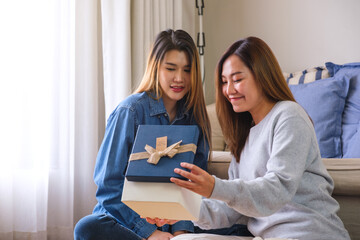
[278, 185]
[170, 93]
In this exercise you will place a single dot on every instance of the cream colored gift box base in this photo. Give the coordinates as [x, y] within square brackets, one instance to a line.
[162, 200]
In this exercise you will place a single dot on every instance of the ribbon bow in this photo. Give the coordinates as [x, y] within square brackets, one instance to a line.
[156, 154]
[162, 150]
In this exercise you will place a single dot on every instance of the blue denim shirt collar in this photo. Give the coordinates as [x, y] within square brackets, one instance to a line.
[157, 107]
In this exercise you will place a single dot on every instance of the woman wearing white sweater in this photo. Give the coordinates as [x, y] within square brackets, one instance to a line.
[278, 185]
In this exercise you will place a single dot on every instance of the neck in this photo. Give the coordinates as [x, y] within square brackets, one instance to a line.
[261, 112]
[171, 108]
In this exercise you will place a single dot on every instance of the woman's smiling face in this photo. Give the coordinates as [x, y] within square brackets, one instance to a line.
[175, 76]
[239, 85]
[241, 90]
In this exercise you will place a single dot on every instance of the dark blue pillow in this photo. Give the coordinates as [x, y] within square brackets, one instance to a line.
[324, 101]
[351, 117]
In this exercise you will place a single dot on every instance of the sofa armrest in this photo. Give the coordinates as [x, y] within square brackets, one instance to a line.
[219, 164]
[346, 175]
[218, 143]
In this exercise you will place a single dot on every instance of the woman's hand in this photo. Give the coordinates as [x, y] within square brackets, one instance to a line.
[200, 182]
[159, 235]
[160, 222]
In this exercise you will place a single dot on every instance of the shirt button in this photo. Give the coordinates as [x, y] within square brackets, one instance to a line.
[165, 115]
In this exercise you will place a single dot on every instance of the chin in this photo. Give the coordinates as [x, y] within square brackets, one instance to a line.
[177, 97]
[238, 109]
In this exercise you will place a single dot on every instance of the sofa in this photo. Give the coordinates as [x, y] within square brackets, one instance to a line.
[331, 96]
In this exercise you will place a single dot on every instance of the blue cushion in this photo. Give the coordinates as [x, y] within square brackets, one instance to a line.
[324, 101]
[351, 117]
[353, 146]
[334, 68]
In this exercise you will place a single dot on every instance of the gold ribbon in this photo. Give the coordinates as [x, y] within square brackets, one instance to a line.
[162, 150]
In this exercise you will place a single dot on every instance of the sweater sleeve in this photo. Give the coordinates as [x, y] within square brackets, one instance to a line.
[264, 195]
[217, 214]
[110, 170]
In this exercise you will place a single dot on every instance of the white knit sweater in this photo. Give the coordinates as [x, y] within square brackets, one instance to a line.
[280, 188]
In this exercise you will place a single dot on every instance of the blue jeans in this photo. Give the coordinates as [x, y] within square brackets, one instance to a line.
[103, 227]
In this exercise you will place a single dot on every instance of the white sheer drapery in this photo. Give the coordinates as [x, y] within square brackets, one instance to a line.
[38, 128]
[61, 63]
[27, 69]
[116, 30]
[53, 115]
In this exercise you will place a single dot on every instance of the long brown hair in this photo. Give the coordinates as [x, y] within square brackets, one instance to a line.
[258, 57]
[178, 40]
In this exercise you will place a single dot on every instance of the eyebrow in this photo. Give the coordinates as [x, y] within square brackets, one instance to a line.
[232, 74]
[173, 64]
[235, 73]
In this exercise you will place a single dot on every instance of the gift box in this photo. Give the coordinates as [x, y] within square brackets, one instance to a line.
[159, 149]
[161, 200]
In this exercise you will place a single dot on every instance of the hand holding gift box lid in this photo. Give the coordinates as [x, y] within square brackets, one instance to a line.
[173, 144]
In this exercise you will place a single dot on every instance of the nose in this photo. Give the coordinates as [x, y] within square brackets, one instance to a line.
[179, 76]
[230, 88]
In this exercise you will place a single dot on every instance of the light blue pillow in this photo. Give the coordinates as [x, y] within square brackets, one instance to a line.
[351, 117]
[334, 68]
[324, 101]
[353, 146]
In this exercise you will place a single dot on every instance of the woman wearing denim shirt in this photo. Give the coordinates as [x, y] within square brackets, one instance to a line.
[170, 93]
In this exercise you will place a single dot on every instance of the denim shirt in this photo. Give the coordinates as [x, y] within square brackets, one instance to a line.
[113, 155]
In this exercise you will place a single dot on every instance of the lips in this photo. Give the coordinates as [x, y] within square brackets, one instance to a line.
[177, 88]
[235, 98]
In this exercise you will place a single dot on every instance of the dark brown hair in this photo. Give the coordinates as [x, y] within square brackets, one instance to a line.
[258, 57]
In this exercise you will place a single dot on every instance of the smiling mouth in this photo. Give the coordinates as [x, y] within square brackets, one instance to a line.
[233, 99]
[177, 88]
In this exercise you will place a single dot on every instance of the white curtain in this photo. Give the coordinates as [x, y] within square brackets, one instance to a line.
[27, 123]
[53, 114]
[64, 66]
[117, 51]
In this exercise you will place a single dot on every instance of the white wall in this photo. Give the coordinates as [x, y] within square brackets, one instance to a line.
[301, 33]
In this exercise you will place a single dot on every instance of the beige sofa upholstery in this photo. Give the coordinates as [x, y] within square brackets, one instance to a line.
[345, 172]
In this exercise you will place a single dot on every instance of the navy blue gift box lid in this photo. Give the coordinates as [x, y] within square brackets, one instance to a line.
[159, 149]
